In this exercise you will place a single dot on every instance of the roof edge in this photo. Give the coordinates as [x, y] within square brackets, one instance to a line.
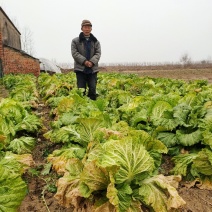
[9, 20]
[21, 51]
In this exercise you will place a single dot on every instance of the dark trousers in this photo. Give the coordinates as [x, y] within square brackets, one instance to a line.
[90, 80]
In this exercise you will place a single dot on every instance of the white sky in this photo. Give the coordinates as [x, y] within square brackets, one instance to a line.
[133, 31]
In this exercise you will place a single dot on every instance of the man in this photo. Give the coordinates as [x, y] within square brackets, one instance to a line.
[86, 51]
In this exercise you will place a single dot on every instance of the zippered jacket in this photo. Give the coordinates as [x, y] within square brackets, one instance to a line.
[78, 51]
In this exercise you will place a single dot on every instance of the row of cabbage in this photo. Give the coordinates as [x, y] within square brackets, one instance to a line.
[113, 147]
[18, 128]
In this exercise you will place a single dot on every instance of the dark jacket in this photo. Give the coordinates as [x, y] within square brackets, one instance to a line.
[79, 52]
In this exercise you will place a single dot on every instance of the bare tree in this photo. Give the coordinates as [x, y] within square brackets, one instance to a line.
[27, 41]
[185, 59]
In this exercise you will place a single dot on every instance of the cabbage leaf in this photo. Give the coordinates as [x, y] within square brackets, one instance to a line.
[12, 190]
[203, 162]
[132, 158]
[160, 194]
[22, 145]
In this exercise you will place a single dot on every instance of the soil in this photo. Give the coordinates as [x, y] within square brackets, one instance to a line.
[186, 74]
[40, 197]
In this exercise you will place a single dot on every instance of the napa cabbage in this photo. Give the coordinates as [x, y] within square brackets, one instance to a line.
[12, 187]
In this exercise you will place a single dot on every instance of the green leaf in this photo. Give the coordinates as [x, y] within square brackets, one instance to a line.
[125, 198]
[30, 123]
[158, 110]
[67, 119]
[47, 169]
[130, 156]
[189, 99]
[63, 135]
[203, 162]
[168, 138]
[12, 190]
[10, 162]
[13, 110]
[22, 145]
[182, 163]
[6, 126]
[120, 197]
[74, 168]
[88, 126]
[188, 137]
[207, 138]
[159, 193]
[181, 113]
[167, 121]
[150, 143]
[206, 127]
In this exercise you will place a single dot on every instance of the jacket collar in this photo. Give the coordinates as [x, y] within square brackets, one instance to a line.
[82, 37]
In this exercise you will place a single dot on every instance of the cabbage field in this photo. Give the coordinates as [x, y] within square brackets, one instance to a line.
[140, 146]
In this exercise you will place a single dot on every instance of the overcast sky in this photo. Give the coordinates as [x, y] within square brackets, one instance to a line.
[130, 31]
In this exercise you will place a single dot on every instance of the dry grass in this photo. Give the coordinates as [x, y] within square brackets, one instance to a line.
[188, 73]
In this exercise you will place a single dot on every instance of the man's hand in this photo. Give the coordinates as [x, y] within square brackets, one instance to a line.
[88, 64]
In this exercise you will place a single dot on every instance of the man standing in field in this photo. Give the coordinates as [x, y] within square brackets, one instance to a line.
[86, 51]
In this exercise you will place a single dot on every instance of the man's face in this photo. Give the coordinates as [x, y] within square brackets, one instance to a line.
[86, 30]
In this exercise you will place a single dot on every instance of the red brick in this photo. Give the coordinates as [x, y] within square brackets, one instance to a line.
[18, 62]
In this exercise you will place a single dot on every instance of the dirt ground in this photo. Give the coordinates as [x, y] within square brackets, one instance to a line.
[184, 74]
[40, 197]
[189, 74]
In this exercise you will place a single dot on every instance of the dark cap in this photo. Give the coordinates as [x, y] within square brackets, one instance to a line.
[86, 23]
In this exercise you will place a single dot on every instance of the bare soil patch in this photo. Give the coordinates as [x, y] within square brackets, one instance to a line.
[179, 73]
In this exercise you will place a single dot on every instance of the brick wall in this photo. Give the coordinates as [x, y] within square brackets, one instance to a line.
[1, 57]
[1, 46]
[12, 58]
[15, 61]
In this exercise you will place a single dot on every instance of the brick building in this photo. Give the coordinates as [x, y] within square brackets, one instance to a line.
[12, 58]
